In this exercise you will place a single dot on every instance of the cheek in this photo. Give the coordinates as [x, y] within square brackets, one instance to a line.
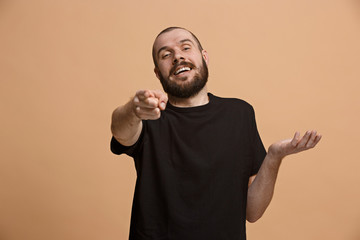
[162, 72]
[165, 72]
[165, 69]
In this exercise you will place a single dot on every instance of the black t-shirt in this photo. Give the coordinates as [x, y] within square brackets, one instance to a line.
[193, 166]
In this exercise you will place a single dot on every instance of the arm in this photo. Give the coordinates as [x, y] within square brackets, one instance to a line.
[261, 187]
[126, 122]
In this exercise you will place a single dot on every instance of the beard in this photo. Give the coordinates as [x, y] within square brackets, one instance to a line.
[188, 89]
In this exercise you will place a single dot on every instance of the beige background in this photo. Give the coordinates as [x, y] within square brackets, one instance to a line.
[65, 65]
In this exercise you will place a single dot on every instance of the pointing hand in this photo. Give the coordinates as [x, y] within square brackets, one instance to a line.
[149, 103]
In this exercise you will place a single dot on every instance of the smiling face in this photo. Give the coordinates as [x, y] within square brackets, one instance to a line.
[180, 65]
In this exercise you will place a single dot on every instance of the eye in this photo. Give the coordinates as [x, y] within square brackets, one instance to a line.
[165, 55]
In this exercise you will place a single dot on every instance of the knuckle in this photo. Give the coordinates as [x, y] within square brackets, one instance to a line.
[157, 113]
[153, 102]
[140, 92]
[147, 102]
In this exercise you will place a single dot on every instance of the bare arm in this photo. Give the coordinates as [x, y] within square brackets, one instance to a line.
[126, 122]
[261, 190]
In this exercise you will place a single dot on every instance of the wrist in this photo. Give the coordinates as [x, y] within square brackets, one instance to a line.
[275, 156]
[274, 159]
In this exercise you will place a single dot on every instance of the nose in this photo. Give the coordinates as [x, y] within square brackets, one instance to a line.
[178, 57]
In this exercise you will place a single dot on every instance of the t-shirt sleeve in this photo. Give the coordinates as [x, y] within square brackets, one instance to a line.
[258, 149]
[118, 148]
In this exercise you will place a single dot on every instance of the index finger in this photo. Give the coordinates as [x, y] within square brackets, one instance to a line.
[163, 98]
[143, 94]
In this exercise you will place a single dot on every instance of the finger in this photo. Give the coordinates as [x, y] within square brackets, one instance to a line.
[317, 139]
[150, 102]
[163, 98]
[149, 117]
[146, 113]
[143, 94]
[162, 104]
[304, 139]
[295, 139]
[311, 142]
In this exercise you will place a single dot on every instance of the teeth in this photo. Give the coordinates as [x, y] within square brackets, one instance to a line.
[182, 69]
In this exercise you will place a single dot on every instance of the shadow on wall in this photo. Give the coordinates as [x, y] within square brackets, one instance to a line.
[357, 235]
[356, 231]
[356, 4]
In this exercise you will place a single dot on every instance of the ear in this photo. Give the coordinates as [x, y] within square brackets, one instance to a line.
[205, 56]
[157, 73]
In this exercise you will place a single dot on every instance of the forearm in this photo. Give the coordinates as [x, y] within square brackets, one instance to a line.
[125, 125]
[261, 189]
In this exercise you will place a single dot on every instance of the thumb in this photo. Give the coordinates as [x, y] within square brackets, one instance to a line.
[295, 140]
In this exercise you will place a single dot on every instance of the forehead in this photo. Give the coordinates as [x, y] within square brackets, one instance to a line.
[172, 38]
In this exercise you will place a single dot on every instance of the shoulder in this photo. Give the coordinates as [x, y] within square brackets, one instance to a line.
[234, 103]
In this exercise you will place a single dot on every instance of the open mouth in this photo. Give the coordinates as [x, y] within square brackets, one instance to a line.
[182, 70]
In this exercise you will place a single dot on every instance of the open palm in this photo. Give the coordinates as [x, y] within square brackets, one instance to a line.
[296, 144]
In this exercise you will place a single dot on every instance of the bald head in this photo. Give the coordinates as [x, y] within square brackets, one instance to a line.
[169, 29]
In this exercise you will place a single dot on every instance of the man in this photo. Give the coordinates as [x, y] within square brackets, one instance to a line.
[202, 170]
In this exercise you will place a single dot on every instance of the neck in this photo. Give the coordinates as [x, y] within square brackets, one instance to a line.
[201, 98]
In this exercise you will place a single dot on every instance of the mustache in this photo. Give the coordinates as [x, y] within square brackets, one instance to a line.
[184, 64]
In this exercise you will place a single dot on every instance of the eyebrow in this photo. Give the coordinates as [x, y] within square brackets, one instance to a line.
[181, 41]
